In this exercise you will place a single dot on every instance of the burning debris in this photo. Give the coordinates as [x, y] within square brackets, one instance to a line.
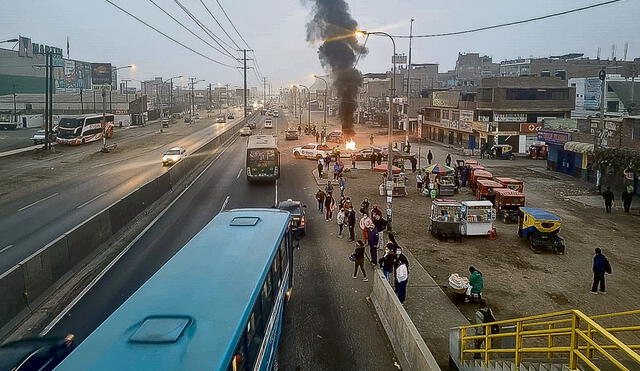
[350, 145]
[333, 25]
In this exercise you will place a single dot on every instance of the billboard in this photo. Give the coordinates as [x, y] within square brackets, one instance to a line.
[509, 117]
[83, 75]
[446, 99]
[70, 75]
[553, 137]
[24, 47]
[592, 92]
[100, 74]
[399, 59]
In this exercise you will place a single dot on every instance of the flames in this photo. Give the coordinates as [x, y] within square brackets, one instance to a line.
[350, 145]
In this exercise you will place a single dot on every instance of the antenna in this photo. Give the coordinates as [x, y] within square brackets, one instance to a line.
[626, 48]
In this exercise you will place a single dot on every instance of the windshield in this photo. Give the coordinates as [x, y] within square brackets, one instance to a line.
[173, 152]
[70, 123]
[292, 208]
[262, 157]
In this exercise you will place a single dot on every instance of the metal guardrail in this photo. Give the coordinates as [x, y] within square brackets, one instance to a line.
[570, 334]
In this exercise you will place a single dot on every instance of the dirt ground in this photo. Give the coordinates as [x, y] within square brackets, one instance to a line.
[519, 281]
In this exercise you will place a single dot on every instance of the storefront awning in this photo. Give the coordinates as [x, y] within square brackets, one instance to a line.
[578, 147]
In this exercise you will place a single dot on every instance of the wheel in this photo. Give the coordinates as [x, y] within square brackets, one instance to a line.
[82, 140]
[297, 155]
[512, 157]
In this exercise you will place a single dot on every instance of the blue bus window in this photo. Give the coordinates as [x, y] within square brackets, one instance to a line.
[254, 335]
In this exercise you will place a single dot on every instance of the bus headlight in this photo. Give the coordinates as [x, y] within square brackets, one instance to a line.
[248, 171]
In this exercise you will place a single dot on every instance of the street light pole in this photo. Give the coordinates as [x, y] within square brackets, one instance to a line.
[392, 89]
[406, 129]
[326, 89]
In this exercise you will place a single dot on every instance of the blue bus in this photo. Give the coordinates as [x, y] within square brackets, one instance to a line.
[217, 304]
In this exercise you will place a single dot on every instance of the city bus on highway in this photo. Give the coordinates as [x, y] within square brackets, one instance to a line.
[263, 158]
[74, 130]
[218, 304]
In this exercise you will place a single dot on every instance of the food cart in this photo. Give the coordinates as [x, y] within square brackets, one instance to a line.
[477, 218]
[541, 228]
[399, 185]
[485, 189]
[508, 203]
[514, 184]
[446, 185]
[478, 174]
[446, 219]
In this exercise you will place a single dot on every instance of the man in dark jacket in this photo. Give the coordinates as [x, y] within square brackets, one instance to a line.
[627, 197]
[320, 196]
[608, 199]
[429, 157]
[600, 267]
[358, 261]
[414, 164]
[351, 223]
[372, 239]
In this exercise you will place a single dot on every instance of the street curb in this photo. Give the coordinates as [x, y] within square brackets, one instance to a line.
[319, 181]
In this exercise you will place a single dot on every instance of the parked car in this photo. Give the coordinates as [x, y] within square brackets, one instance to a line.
[335, 137]
[312, 150]
[291, 134]
[397, 154]
[365, 153]
[230, 116]
[173, 155]
[298, 219]
[43, 353]
[245, 131]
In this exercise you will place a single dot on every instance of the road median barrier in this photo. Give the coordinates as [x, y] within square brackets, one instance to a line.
[26, 285]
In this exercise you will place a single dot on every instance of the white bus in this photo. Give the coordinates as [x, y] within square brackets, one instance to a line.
[75, 130]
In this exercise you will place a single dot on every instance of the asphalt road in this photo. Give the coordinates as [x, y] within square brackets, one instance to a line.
[328, 324]
[29, 223]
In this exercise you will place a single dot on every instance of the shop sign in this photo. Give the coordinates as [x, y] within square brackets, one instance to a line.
[530, 128]
[465, 126]
[484, 118]
[553, 137]
[444, 123]
[445, 99]
[509, 117]
[453, 124]
[480, 126]
[466, 116]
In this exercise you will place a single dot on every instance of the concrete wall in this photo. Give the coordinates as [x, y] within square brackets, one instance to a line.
[410, 348]
[26, 285]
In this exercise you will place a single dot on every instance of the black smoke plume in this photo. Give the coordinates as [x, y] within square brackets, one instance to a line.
[333, 25]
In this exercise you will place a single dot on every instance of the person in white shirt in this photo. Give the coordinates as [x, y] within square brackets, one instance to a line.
[341, 219]
[402, 277]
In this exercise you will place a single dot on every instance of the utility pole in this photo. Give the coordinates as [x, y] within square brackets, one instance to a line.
[81, 102]
[406, 132]
[192, 97]
[245, 68]
[226, 95]
[45, 120]
[264, 91]
[15, 109]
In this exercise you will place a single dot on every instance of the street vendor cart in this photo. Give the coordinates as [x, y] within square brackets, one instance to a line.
[399, 185]
[485, 189]
[478, 174]
[477, 218]
[541, 228]
[514, 184]
[508, 203]
[446, 185]
[446, 219]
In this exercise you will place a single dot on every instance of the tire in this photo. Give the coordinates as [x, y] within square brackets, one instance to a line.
[512, 157]
[297, 155]
[83, 141]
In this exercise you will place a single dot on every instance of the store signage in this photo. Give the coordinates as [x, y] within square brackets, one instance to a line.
[465, 126]
[480, 126]
[553, 137]
[530, 128]
[446, 99]
[509, 117]
[43, 49]
[484, 118]
[466, 115]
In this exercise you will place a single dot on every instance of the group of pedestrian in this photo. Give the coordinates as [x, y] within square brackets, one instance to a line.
[375, 159]
[609, 198]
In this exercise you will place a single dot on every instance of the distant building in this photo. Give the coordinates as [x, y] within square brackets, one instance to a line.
[423, 76]
[470, 69]
[565, 66]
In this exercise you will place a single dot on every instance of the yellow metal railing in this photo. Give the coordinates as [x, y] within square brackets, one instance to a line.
[568, 334]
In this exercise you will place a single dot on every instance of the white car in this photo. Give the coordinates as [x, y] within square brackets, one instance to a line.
[246, 130]
[173, 155]
[312, 150]
[38, 137]
[268, 124]
[276, 114]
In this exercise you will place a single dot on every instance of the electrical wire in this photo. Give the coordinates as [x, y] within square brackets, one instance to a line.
[191, 32]
[206, 30]
[167, 36]
[509, 23]
[219, 25]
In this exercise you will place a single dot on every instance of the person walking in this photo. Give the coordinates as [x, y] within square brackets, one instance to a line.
[402, 277]
[365, 224]
[429, 157]
[414, 164]
[329, 206]
[342, 184]
[484, 314]
[353, 161]
[358, 261]
[386, 262]
[320, 196]
[627, 197]
[364, 206]
[419, 181]
[371, 139]
[322, 136]
[327, 162]
[372, 159]
[373, 239]
[320, 167]
[351, 223]
[299, 129]
[601, 266]
[340, 218]
[317, 137]
[447, 160]
[336, 170]
[328, 188]
[608, 199]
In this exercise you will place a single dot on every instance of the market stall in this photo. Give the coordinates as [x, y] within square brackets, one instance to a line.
[477, 218]
[446, 219]
[446, 185]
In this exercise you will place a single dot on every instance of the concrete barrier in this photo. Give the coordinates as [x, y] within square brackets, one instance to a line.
[25, 285]
[408, 345]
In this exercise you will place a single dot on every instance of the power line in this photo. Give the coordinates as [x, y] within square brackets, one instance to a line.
[167, 36]
[187, 28]
[510, 23]
[206, 30]
[219, 25]
[232, 25]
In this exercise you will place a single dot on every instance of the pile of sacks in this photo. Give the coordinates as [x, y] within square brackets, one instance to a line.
[458, 284]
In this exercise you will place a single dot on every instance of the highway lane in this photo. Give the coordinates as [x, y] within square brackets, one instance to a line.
[219, 185]
[28, 224]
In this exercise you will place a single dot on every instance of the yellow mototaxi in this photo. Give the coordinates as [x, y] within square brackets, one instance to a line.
[540, 228]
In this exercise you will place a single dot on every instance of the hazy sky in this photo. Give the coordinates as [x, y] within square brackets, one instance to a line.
[275, 29]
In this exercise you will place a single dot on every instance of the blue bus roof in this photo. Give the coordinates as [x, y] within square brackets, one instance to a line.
[540, 213]
[203, 295]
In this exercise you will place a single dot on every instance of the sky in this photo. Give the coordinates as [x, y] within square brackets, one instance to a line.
[275, 30]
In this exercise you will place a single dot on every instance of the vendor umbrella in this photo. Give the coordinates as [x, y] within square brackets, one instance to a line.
[439, 169]
[382, 168]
